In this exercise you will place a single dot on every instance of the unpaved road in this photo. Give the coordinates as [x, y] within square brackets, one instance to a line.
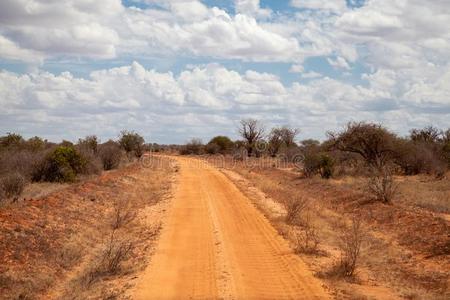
[216, 245]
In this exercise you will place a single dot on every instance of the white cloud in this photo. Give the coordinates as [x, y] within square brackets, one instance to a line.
[334, 6]
[207, 100]
[251, 8]
[339, 63]
[296, 69]
[311, 74]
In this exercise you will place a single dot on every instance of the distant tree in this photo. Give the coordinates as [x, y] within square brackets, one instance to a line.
[428, 134]
[281, 136]
[66, 143]
[11, 139]
[35, 143]
[132, 142]
[221, 144]
[194, 146]
[373, 142]
[251, 131]
[89, 142]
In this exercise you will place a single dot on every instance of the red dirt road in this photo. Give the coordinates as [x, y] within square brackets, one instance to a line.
[216, 245]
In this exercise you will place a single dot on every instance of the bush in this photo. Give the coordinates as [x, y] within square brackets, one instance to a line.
[311, 164]
[89, 143]
[220, 144]
[12, 185]
[195, 146]
[110, 155]
[350, 246]
[11, 140]
[326, 166]
[318, 163]
[93, 164]
[381, 186]
[132, 142]
[61, 165]
[115, 252]
[306, 239]
[419, 157]
[294, 207]
[23, 162]
[212, 148]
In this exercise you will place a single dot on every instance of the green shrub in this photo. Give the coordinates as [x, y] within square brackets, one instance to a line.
[61, 165]
[221, 144]
[132, 142]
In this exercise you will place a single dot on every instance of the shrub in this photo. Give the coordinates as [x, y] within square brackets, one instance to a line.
[381, 185]
[350, 245]
[294, 207]
[306, 239]
[326, 166]
[93, 164]
[110, 155]
[12, 185]
[415, 157]
[195, 146]
[61, 165]
[123, 214]
[35, 144]
[132, 142]
[11, 140]
[212, 148]
[115, 252]
[223, 144]
[23, 162]
[311, 164]
[89, 143]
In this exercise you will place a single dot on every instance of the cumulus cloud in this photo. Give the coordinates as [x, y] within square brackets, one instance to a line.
[251, 8]
[203, 101]
[334, 6]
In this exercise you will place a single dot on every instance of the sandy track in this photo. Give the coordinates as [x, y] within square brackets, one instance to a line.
[216, 245]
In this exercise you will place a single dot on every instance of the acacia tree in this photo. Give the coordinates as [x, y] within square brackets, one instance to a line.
[372, 141]
[251, 131]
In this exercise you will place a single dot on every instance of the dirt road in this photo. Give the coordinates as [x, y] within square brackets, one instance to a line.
[216, 245]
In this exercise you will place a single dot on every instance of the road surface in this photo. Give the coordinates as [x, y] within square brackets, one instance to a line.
[216, 245]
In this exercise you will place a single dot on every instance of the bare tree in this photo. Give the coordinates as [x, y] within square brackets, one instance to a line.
[251, 131]
[288, 135]
[280, 136]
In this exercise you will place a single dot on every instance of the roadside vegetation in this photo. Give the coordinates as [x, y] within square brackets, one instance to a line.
[34, 160]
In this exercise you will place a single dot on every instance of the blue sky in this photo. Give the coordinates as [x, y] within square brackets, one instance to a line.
[178, 69]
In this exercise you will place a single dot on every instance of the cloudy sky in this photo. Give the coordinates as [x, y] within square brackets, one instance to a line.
[177, 69]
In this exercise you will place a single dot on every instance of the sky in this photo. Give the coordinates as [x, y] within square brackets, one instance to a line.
[177, 69]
